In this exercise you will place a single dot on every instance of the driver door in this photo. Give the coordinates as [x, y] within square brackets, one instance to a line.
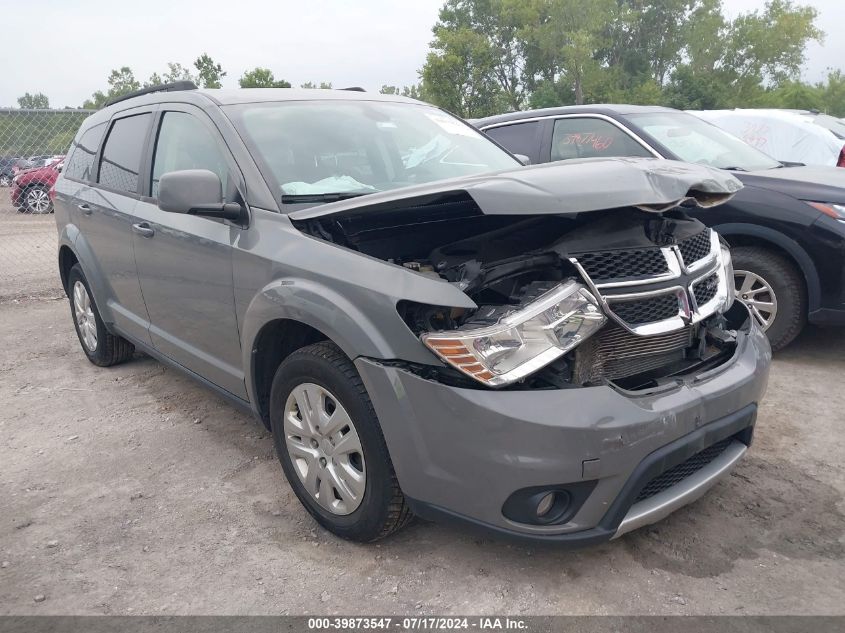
[184, 262]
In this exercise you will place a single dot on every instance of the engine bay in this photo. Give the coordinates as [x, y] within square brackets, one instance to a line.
[506, 262]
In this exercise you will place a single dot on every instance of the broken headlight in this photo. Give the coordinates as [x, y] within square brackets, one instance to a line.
[523, 341]
[726, 261]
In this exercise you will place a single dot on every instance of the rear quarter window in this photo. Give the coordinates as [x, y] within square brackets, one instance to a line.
[80, 162]
[518, 138]
[120, 164]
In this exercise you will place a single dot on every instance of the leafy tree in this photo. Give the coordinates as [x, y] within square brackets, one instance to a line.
[154, 80]
[261, 78]
[458, 74]
[121, 81]
[177, 72]
[323, 85]
[209, 73]
[37, 101]
[412, 92]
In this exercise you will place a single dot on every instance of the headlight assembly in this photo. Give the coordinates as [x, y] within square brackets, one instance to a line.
[726, 262]
[836, 211]
[523, 341]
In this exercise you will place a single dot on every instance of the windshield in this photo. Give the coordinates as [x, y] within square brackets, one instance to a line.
[323, 148]
[696, 141]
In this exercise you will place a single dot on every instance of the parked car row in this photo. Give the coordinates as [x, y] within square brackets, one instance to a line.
[786, 226]
[33, 187]
[790, 136]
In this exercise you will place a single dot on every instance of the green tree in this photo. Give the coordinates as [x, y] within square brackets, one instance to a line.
[412, 91]
[458, 76]
[323, 85]
[209, 73]
[177, 72]
[120, 81]
[261, 78]
[37, 101]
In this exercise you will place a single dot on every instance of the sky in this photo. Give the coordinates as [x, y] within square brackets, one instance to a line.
[364, 43]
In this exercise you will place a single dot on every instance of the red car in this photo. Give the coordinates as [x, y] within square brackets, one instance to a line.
[33, 189]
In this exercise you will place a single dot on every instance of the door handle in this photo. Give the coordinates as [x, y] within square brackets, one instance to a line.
[143, 229]
[86, 210]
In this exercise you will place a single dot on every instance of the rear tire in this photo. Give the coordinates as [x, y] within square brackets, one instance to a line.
[775, 280]
[36, 200]
[323, 368]
[100, 346]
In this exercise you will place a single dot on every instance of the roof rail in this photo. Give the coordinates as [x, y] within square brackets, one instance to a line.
[355, 89]
[171, 87]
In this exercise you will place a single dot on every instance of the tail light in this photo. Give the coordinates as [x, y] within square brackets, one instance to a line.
[841, 161]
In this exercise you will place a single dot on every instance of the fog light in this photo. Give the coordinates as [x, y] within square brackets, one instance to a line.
[545, 504]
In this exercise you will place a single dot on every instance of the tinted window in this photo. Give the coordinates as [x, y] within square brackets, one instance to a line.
[80, 162]
[519, 138]
[589, 138]
[185, 143]
[121, 160]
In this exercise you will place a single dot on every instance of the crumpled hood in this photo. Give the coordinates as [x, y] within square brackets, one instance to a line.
[576, 186]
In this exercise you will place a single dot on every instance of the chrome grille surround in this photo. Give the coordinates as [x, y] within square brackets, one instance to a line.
[687, 275]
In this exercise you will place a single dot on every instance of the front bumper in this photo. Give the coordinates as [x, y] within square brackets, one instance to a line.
[461, 453]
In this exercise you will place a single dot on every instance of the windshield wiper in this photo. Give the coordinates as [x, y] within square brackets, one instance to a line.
[733, 168]
[294, 198]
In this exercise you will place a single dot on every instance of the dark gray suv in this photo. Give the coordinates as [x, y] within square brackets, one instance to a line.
[425, 326]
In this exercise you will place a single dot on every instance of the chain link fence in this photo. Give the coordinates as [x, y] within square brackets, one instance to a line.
[32, 148]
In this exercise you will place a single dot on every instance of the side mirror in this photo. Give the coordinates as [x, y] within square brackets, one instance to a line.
[522, 158]
[195, 192]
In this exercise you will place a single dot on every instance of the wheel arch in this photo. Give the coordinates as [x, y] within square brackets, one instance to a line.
[753, 235]
[67, 260]
[274, 342]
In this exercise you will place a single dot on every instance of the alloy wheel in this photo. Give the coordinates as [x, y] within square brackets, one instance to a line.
[5, 181]
[324, 448]
[758, 295]
[83, 312]
[38, 200]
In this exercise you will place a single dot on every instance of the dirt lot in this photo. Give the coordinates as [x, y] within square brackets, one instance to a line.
[27, 253]
[134, 490]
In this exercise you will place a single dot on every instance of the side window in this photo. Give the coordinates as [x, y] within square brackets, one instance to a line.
[590, 137]
[121, 161]
[518, 138]
[185, 143]
[80, 163]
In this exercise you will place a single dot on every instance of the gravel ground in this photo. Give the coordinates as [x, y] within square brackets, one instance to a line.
[134, 490]
[27, 253]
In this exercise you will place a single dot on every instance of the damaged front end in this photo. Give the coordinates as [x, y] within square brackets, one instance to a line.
[635, 295]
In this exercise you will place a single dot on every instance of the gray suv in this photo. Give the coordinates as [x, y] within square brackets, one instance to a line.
[426, 326]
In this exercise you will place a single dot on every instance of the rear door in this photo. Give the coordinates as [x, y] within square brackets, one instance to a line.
[185, 261]
[104, 212]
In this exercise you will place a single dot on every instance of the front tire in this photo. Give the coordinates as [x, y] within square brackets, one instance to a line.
[773, 289]
[100, 346]
[331, 448]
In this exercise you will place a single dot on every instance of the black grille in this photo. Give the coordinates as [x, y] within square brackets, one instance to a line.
[639, 311]
[705, 290]
[678, 473]
[607, 265]
[695, 247]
